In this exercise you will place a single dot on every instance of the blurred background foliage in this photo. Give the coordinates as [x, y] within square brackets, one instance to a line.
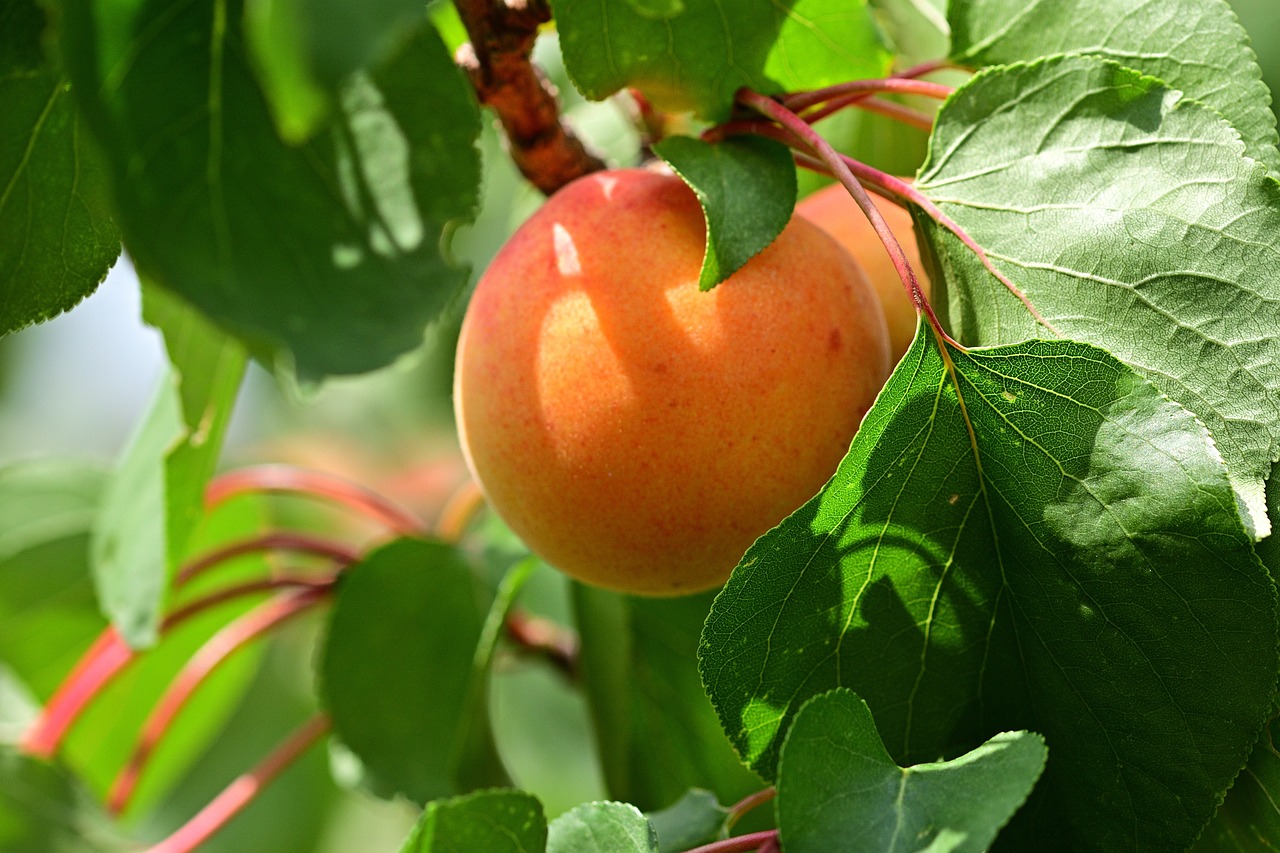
[76, 386]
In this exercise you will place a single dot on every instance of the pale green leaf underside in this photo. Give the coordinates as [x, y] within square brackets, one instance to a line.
[1196, 46]
[747, 189]
[698, 58]
[601, 828]
[1130, 219]
[835, 780]
[1074, 566]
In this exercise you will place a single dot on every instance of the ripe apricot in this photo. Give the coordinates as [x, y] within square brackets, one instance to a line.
[640, 434]
[833, 210]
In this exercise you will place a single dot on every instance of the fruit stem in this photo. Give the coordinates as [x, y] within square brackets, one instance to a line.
[241, 792]
[900, 85]
[842, 172]
[210, 657]
[286, 478]
[108, 656]
[746, 804]
[739, 844]
[274, 541]
[497, 61]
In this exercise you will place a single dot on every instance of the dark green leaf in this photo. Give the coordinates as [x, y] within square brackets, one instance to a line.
[1128, 217]
[42, 810]
[659, 9]
[657, 735]
[747, 189]
[1249, 819]
[57, 240]
[303, 51]
[601, 828]
[155, 499]
[1029, 537]
[325, 255]
[1196, 46]
[700, 57]
[693, 819]
[396, 670]
[836, 781]
[492, 821]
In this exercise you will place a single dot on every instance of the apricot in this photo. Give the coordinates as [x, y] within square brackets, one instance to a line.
[833, 210]
[637, 433]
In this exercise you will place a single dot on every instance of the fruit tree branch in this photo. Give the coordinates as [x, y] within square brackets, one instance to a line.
[497, 60]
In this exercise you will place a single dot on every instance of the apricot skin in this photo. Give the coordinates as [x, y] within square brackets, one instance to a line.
[833, 210]
[639, 434]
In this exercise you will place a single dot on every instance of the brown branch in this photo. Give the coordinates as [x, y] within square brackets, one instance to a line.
[497, 60]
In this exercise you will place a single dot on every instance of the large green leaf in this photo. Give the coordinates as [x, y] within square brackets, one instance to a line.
[57, 240]
[837, 785]
[155, 498]
[1128, 216]
[326, 255]
[492, 821]
[698, 58]
[397, 670]
[1196, 46]
[1029, 537]
[42, 810]
[747, 189]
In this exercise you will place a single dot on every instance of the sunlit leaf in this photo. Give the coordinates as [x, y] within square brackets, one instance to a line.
[1029, 537]
[1128, 216]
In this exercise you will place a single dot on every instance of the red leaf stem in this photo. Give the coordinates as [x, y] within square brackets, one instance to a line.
[538, 636]
[899, 85]
[274, 541]
[286, 478]
[458, 511]
[746, 804]
[109, 655]
[898, 112]
[740, 843]
[212, 655]
[241, 792]
[841, 171]
[925, 68]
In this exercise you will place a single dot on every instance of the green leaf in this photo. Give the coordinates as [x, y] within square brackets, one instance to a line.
[324, 256]
[48, 613]
[155, 498]
[1028, 537]
[836, 781]
[1249, 818]
[42, 809]
[700, 57]
[656, 733]
[57, 240]
[918, 28]
[396, 670]
[492, 821]
[1128, 217]
[1195, 46]
[747, 189]
[601, 828]
[692, 820]
[302, 52]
